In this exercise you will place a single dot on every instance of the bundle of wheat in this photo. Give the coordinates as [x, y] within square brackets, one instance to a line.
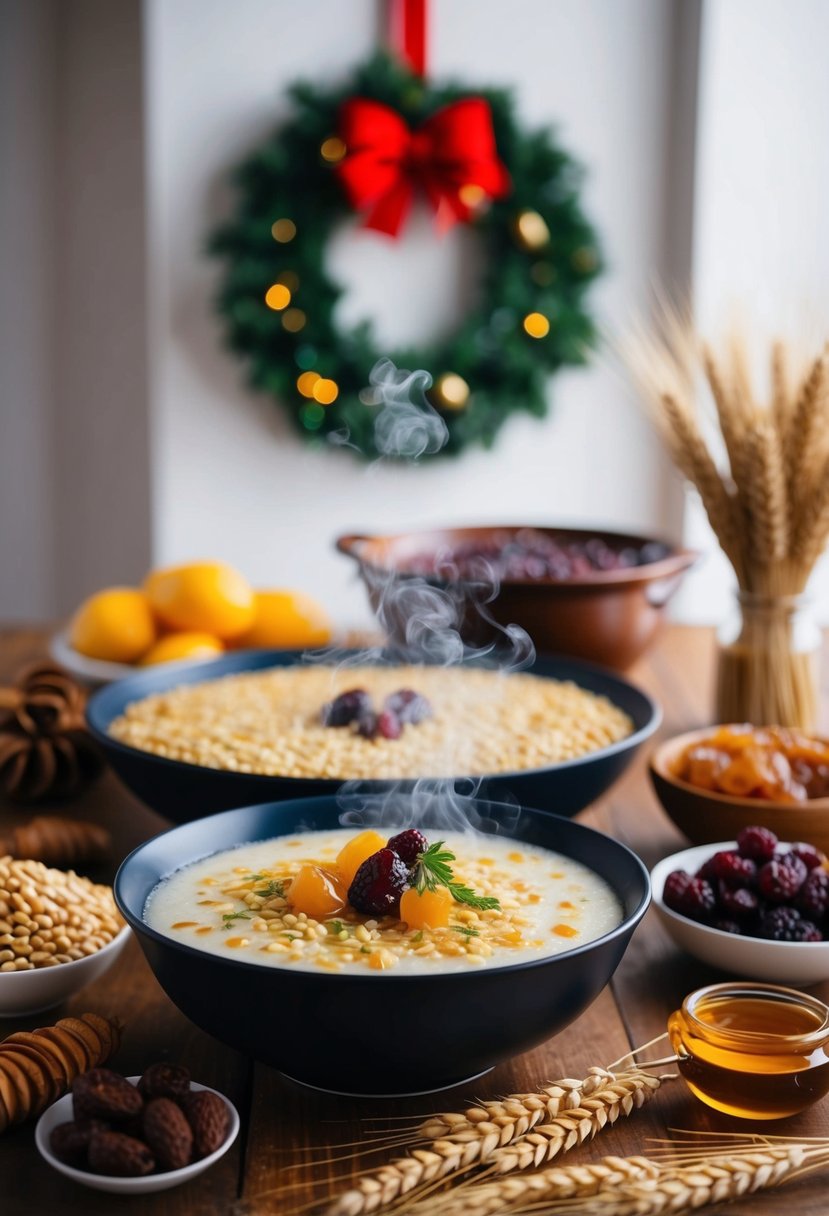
[762, 474]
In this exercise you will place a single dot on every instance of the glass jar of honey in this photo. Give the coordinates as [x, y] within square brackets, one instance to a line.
[756, 1051]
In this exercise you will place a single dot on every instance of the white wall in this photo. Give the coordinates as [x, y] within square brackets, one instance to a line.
[229, 478]
[761, 251]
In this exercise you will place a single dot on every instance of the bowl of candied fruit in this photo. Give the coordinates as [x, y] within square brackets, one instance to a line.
[586, 593]
[712, 783]
[754, 906]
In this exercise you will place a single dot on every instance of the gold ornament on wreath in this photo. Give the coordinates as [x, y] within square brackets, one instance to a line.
[45, 750]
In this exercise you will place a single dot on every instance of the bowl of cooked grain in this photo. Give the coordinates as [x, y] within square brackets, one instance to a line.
[369, 1003]
[266, 725]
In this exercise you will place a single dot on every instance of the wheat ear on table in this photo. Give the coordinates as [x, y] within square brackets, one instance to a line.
[631, 1186]
[455, 1142]
[617, 1099]
[521, 1190]
[714, 1180]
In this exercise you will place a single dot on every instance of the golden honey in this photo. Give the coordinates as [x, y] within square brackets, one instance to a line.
[757, 1051]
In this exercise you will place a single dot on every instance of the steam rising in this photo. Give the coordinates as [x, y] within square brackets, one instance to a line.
[428, 618]
[406, 426]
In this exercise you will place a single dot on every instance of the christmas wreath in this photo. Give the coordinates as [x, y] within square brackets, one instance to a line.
[368, 147]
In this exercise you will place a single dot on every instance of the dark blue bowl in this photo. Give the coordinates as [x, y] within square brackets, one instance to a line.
[182, 792]
[378, 1033]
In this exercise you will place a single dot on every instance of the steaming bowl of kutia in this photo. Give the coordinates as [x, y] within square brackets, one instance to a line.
[708, 815]
[183, 791]
[608, 616]
[377, 1032]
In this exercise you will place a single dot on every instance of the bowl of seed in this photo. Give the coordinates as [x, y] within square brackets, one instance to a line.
[58, 933]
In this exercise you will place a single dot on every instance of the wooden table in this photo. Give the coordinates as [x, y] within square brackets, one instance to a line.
[280, 1120]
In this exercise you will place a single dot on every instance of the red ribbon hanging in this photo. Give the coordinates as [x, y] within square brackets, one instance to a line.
[452, 157]
[408, 32]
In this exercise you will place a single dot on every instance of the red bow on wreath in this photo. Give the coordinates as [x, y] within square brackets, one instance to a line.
[452, 157]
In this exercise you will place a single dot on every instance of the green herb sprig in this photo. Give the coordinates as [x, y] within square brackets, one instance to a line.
[229, 918]
[274, 888]
[434, 870]
[466, 930]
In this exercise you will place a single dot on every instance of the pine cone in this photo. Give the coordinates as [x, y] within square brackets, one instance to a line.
[66, 843]
[45, 750]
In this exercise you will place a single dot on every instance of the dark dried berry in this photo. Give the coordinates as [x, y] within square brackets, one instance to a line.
[737, 901]
[367, 724]
[209, 1120]
[676, 884]
[70, 1141]
[780, 924]
[731, 868]
[781, 878]
[408, 705]
[119, 1156]
[757, 842]
[164, 1081]
[809, 855]
[806, 931]
[408, 845]
[168, 1133]
[389, 726]
[691, 897]
[728, 926]
[813, 896]
[378, 884]
[346, 708]
[706, 870]
[103, 1094]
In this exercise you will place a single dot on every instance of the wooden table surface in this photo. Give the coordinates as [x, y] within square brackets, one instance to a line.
[281, 1120]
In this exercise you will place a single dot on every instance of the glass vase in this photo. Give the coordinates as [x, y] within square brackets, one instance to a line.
[768, 659]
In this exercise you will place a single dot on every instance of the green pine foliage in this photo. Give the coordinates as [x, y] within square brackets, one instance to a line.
[505, 368]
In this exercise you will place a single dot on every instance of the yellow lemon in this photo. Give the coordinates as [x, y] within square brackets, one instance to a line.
[115, 624]
[176, 646]
[209, 597]
[286, 620]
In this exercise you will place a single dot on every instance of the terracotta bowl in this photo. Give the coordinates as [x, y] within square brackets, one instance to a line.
[706, 817]
[607, 617]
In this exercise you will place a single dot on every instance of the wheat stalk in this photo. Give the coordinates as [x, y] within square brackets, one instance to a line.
[802, 425]
[459, 1142]
[713, 1180]
[691, 455]
[769, 509]
[560, 1182]
[766, 500]
[636, 1186]
[811, 524]
[781, 397]
[732, 422]
[619, 1098]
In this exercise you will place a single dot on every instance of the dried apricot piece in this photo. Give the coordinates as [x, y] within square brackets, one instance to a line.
[317, 892]
[355, 851]
[426, 909]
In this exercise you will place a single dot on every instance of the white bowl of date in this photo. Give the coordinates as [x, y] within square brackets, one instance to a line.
[61, 1112]
[379, 1032]
[799, 963]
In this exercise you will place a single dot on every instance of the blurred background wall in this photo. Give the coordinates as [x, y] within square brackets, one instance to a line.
[128, 435]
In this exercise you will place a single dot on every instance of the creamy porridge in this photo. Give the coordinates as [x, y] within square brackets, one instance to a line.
[285, 902]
